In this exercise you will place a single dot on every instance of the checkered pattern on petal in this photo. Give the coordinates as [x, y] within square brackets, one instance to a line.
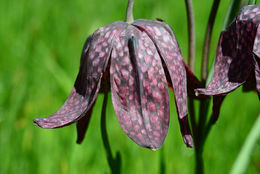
[94, 61]
[139, 88]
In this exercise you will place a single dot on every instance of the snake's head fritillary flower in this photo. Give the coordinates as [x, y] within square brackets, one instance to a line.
[136, 60]
[238, 57]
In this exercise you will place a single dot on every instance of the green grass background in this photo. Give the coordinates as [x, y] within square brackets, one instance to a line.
[40, 48]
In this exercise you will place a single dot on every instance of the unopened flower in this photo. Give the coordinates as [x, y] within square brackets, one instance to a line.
[238, 57]
[131, 56]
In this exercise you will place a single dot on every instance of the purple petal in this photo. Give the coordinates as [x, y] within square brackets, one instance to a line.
[192, 82]
[256, 51]
[234, 61]
[93, 64]
[139, 89]
[82, 125]
[167, 45]
[217, 102]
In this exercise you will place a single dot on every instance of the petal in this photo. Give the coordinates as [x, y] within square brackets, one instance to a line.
[256, 51]
[217, 102]
[257, 75]
[167, 45]
[192, 82]
[93, 64]
[139, 89]
[250, 84]
[82, 125]
[234, 61]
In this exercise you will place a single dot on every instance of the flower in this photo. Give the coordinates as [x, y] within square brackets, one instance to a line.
[131, 57]
[238, 58]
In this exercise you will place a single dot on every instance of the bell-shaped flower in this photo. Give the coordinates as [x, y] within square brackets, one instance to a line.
[238, 58]
[132, 57]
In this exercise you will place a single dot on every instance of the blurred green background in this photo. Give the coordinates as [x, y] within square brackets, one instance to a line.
[40, 48]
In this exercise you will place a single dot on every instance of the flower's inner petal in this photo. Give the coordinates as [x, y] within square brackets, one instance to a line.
[257, 59]
[93, 64]
[82, 125]
[166, 43]
[192, 82]
[217, 102]
[139, 89]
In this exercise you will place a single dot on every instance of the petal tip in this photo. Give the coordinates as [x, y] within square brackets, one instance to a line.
[154, 148]
[79, 141]
[199, 91]
[36, 122]
[196, 93]
[188, 140]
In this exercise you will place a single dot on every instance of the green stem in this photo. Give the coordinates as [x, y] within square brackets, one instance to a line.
[162, 162]
[199, 130]
[231, 13]
[191, 30]
[114, 164]
[199, 161]
[251, 2]
[129, 12]
[191, 59]
[191, 63]
[205, 57]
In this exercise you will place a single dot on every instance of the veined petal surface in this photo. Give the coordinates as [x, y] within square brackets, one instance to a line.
[139, 88]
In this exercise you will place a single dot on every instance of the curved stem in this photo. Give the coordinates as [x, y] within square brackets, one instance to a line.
[104, 131]
[205, 57]
[191, 30]
[191, 62]
[114, 164]
[129, 12]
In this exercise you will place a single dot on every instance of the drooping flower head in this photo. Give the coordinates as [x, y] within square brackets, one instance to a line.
[131, 56]
[238, 57]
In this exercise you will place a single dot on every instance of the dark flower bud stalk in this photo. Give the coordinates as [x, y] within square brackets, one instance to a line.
[139, 59]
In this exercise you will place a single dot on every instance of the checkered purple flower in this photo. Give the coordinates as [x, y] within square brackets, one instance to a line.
[238, 57]
[139, 60]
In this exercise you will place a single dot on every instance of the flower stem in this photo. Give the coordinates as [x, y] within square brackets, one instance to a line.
[199, 128]
[199, 161]
[191, 63]
[114, 164]
[205, 57]
[191, 56]
[204, 104]
[129, 12]
[191, 30]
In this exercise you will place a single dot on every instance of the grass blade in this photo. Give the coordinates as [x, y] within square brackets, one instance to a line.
[243, 158]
